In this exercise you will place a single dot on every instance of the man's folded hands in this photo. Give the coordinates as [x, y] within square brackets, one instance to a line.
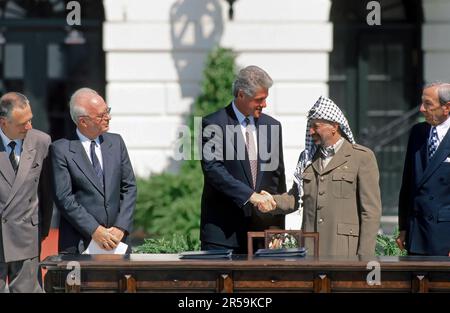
[106, 238]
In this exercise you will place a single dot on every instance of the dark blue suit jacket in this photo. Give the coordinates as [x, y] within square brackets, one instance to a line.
[424, 203]
[83, 203]
[226, 216]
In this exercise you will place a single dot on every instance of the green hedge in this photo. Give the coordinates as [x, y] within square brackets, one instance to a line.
[169, 204]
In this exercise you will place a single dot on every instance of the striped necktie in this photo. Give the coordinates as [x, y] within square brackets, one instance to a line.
[251, 149]
[12, 156]
[96, 164]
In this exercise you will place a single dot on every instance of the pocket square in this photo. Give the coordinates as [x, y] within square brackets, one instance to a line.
[447, 160]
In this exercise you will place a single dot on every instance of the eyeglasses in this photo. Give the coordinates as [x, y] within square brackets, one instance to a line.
[101, 116]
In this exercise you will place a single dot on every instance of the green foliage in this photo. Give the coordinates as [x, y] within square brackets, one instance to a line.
[387, 246]
[218, 78]
[173, 244]
[169, 204]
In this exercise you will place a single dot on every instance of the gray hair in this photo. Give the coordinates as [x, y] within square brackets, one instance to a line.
[433, 84]
[76, 110]
[443, 91]
[11, 101]
[250, 79]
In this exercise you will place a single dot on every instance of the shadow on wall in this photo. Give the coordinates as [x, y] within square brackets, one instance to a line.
[196, 27]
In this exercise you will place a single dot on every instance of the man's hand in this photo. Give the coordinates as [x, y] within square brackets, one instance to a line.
[264, 202]
[272, 206]
[401, 240]
[104, 238]
[116, 232]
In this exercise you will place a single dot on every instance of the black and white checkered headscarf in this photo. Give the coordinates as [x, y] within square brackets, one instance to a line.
[324, 109]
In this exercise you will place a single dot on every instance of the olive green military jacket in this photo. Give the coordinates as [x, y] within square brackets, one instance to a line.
[342, 202]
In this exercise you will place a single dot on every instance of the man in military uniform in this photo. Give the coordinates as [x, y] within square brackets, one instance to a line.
[336, 181]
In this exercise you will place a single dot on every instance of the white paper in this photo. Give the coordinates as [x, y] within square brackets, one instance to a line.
[94, 248]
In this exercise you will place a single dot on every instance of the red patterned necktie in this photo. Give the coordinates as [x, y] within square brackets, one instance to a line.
[251, 149]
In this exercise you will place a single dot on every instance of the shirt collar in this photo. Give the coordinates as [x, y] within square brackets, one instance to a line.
[83, 138]
[6, 140]
[329, 151]
[443, 128]
[241, 117]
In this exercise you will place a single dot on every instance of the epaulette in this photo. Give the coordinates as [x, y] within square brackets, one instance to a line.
[360, 147]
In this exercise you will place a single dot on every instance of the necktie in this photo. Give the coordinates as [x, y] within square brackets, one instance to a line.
[12, 156]
[96, 164]
[251, 149]
[432, 142]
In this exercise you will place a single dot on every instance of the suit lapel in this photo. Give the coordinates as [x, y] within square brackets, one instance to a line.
[340, 157]
[26, 159]
[106, 147]
[5, 166]
[315, 162]
[232, 120]
[439, 156]
[82, 161]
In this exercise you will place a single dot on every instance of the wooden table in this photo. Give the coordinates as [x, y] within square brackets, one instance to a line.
[167, 273]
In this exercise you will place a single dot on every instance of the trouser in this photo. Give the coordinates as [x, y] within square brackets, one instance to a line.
[18, 276]
[22, 276]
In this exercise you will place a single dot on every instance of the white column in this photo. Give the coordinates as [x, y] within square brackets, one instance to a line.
[436, 43]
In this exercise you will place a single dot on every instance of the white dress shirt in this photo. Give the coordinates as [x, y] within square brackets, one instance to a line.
[17, 149]
[86, 142]
[241, 117]
[442, 130]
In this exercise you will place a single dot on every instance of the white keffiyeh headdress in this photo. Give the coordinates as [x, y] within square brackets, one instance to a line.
[324, 109]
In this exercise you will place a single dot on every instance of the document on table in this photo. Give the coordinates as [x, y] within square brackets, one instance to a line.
[209, 254]
[94, 248]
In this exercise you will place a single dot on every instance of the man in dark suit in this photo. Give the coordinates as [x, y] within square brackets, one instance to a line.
[93, 180]
[23, 214]
[242, 154]
[424, 203]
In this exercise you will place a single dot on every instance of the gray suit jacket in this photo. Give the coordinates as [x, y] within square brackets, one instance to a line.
[83, 203]
[22, 215]
[342, 202]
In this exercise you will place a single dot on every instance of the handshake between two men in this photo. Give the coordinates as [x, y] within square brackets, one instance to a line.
[263, 201]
